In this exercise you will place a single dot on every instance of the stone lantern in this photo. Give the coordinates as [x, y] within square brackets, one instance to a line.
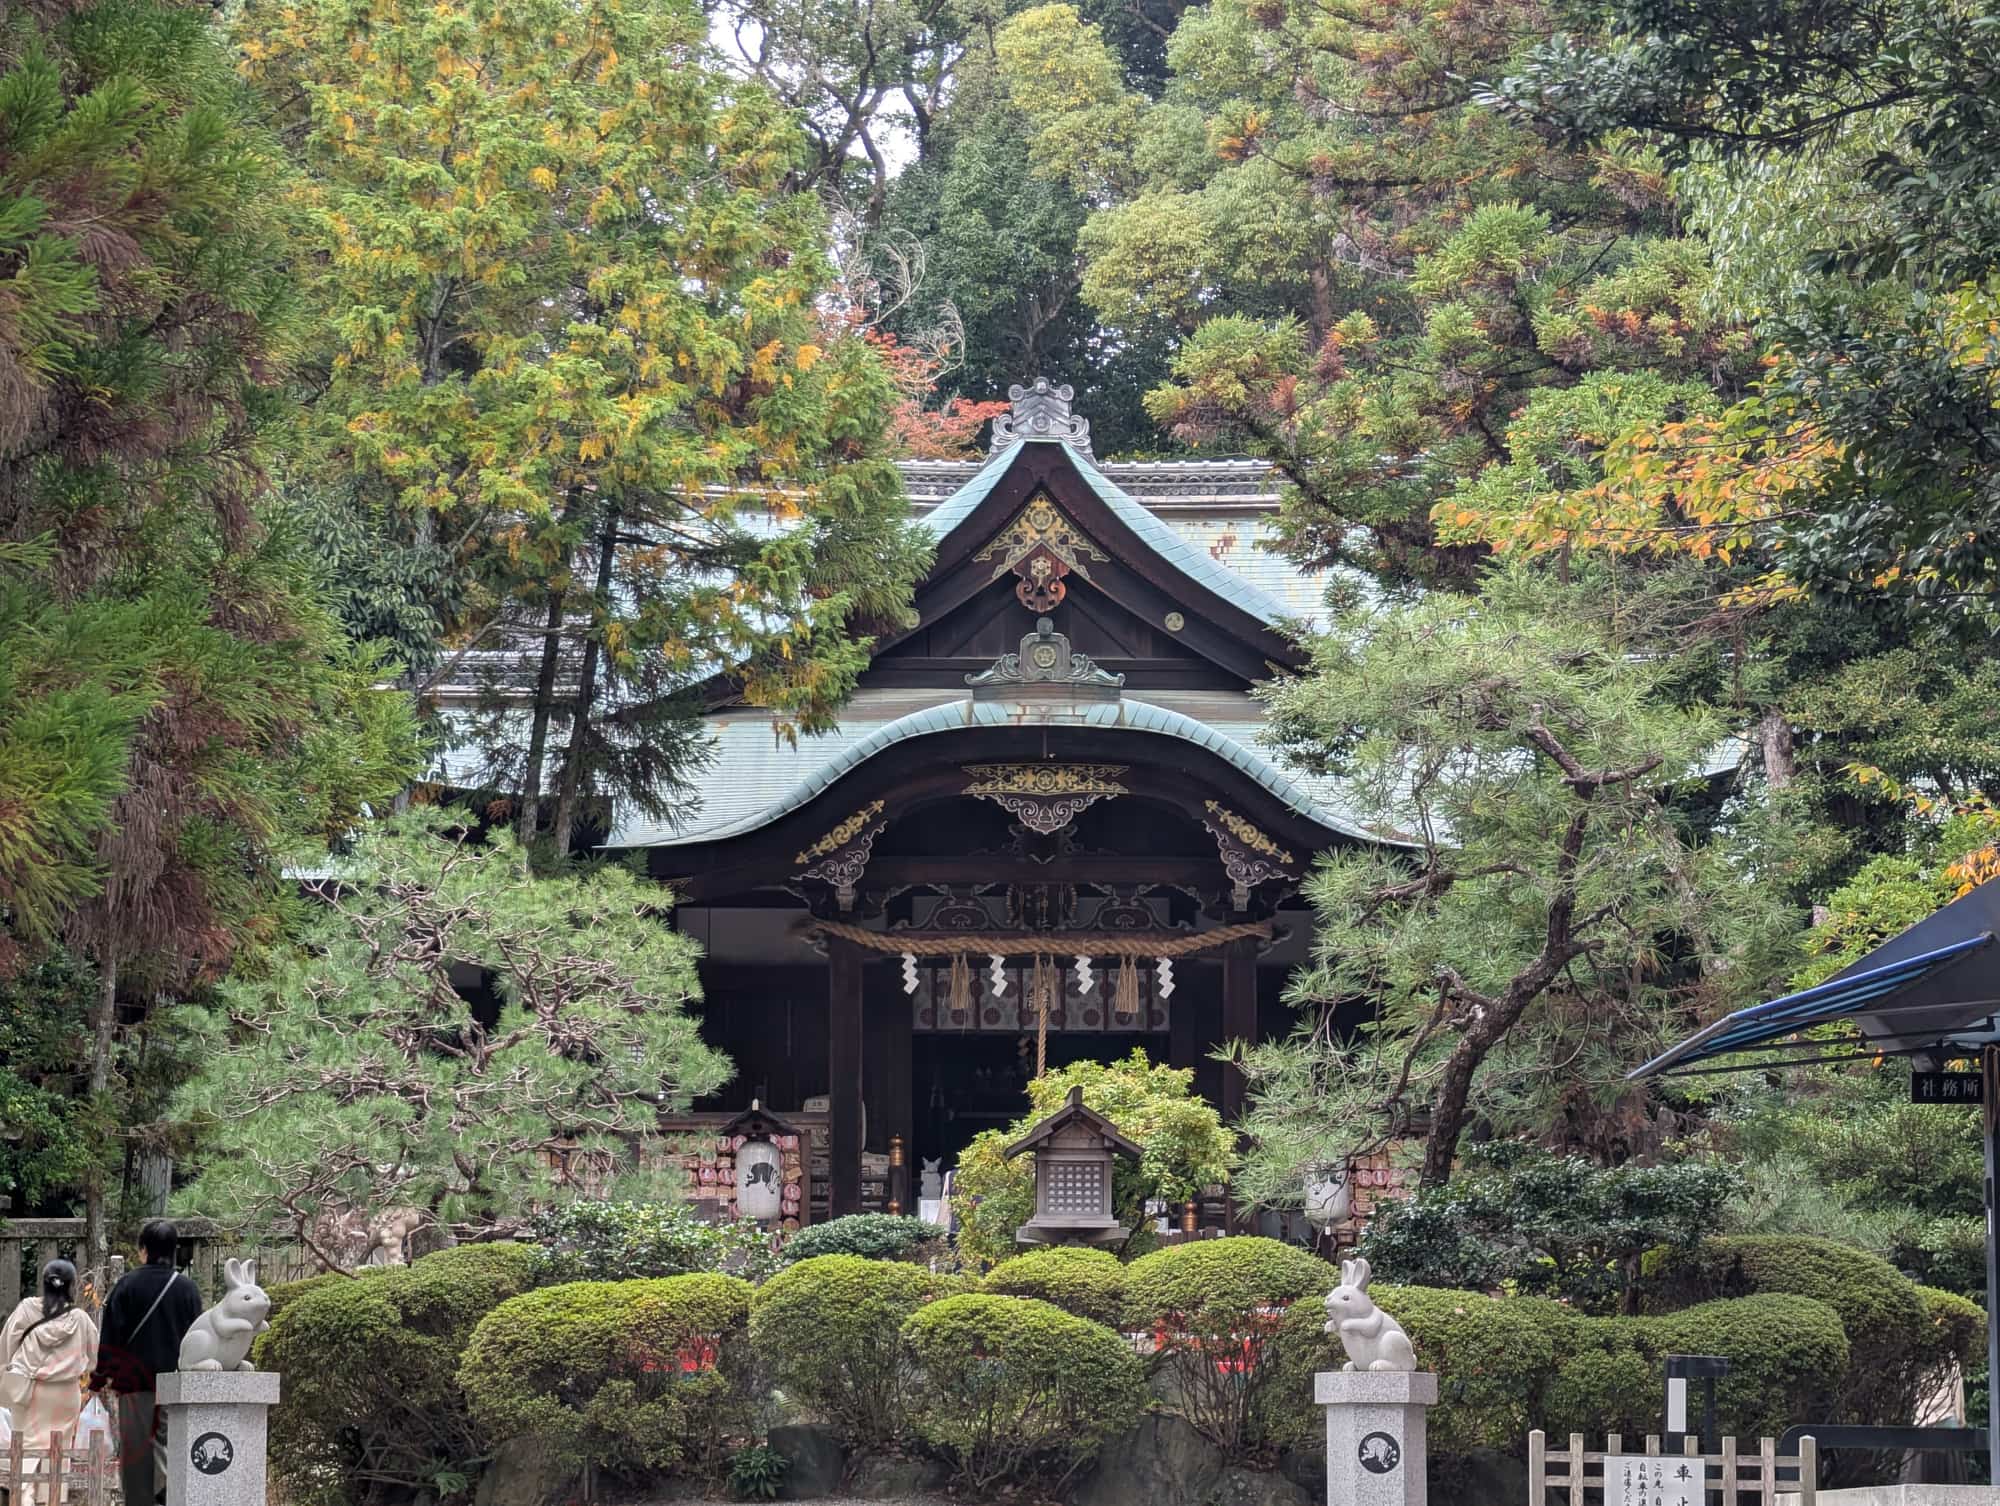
[1075, 1150]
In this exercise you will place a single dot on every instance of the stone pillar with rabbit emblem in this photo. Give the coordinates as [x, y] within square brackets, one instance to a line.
[1377, 1447]
[217, 1403]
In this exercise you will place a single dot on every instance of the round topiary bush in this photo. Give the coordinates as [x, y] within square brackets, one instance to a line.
[638, 1241]
[1211, 1306]
[1881, 1310]
[1015, 1389]
[1088, 1283]
[371, 1374]
[828, 1333]
[1491, 1357]
[623, 1375]
[1957, 1329]
[873, 1236]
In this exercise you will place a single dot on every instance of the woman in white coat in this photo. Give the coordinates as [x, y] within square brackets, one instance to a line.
[47, 1347]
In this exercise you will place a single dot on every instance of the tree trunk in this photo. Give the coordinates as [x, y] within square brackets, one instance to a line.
[103, 1022]
[538, 727]
[1454, 1093]
[1774, 736]
[586, 692]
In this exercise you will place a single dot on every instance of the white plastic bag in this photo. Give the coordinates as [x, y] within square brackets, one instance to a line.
[92, 1419]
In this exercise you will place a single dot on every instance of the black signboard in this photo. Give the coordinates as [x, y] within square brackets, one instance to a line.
[1946, 1087]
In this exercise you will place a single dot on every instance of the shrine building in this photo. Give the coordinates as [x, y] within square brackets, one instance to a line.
[1044, 830]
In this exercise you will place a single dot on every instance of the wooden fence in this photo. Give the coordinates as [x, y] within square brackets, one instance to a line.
[58, 1474]
[1731, 1474]
[27, 1244]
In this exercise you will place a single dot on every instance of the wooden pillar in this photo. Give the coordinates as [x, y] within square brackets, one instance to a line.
[1239, 1015]
[843, 1066]
[1239, 1023]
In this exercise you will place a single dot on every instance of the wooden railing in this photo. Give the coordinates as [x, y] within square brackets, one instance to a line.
[1568, 1474]
[27, 1244]
[58, 1474]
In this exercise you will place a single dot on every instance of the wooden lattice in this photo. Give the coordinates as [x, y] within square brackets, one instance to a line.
[1576, 1476]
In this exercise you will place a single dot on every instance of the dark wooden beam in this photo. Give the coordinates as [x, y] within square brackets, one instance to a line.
[844, 1066]
[1196, 871]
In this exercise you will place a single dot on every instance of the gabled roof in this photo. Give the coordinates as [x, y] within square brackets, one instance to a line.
[849, 754]
[1071, 1112]
[1162, 540]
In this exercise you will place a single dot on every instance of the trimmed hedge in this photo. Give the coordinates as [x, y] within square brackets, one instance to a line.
[1212, 1306]
[828, 1333]
[1491, 1355]
[627, 1375]
[873, 1236]
[1088, 1283]
[1955, 1329]
[1881, 1310]
[1506, 1365]
[1014, 1388]
[371, 1374]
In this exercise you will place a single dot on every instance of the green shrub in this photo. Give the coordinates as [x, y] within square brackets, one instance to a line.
[1490, 1356]
[1508, 1364]
[828, 1333]
[1881, 1310]
[1955, 1329]
[1088, 1283]
[1185, 1146]
[373, 1409]
[1015, 1389]
[285, 1293]
[758, 1473]
[874, 1236]
[1211, 1307]
[638, 1241]
[625, 1375]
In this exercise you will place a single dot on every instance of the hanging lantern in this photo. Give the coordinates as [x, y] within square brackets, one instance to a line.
[1328, 1196]
[760, 1163]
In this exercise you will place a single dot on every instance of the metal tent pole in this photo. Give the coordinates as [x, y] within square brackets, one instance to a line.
[1990, 1112]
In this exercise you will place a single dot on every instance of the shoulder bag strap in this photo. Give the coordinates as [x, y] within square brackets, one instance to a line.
[134, 1335]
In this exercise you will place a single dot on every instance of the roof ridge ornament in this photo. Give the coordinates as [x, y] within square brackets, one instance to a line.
[1045, 663]
[1041, 412]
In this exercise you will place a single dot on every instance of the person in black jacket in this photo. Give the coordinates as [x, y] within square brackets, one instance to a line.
[145, 1318]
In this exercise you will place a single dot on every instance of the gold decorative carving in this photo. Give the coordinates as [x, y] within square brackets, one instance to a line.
[1045, 797]
[842, 834]
[1096, 779]
[1245, 833]
[1041, 546]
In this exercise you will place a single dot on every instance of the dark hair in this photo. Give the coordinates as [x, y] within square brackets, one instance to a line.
[58, 1288]
[159, 1239]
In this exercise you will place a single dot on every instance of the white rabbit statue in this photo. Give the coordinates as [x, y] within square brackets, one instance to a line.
[1373, 1340]
[220, 1338]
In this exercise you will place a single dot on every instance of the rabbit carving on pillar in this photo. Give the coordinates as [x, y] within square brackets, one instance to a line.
[1373, 1340]
[220, 1338]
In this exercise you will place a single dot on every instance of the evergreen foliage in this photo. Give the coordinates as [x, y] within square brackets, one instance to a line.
[1012, 1388]
[355, 1072]
[643, 1377]
[1184, 1144]
[592, 1240]
[828, 1333]
[578, 358]
[1088, 1283]
[874, 1236]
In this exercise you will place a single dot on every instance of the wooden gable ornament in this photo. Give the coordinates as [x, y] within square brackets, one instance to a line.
[1076, 1149]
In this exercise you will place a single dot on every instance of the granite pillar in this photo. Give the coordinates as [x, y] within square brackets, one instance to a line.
[215, 1435]
[1376, 1443]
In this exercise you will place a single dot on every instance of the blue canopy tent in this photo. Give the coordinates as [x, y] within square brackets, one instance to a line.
[1931, 994]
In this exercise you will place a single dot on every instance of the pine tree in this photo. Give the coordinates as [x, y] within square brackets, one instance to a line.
[174, 704]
